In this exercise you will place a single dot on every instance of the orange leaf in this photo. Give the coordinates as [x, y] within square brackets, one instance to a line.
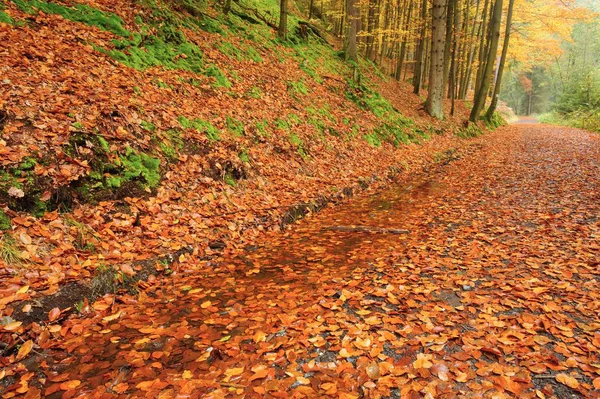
[12, 326]
[65, 386]
[597, 383]
[567, 380]
[53, 314]
[259, 374]
[24, 350]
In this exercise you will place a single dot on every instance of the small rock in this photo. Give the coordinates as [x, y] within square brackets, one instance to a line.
[467, 288]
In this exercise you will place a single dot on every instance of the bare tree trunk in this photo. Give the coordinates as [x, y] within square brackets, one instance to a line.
[481, 94]
[350, 52]
[467, 78]
[405, 37]
[435, 98]
[482, 45]
[498, 86]
[282, 31]
[448, 42]
[455, 55]
[420, 50]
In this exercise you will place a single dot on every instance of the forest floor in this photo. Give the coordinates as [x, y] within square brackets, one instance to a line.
[479, 279]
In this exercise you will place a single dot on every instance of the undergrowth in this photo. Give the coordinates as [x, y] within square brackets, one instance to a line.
[394, 128]
[212, 133]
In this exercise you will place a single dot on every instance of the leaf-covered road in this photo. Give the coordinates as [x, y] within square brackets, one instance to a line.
[480, 281]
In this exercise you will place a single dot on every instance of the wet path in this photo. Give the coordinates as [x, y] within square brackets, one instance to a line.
[482, 280]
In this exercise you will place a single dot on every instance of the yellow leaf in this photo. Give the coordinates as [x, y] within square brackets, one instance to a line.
[111, 317]
[23, 289]
[206, 304]
[423, 361]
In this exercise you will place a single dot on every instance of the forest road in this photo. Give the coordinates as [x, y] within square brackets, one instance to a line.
[482, 279]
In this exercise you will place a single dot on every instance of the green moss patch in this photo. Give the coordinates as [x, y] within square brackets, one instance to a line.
[202, 126]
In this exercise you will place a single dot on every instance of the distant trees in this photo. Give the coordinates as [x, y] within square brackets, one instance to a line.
[449, 47]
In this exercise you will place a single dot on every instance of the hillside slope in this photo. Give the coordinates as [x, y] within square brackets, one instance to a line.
[131, 129]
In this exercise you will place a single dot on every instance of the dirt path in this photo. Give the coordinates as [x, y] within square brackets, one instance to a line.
[481, 281]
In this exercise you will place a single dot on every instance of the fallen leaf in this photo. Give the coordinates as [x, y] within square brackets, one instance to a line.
[24, 350]
[53, 314]
[567, 380]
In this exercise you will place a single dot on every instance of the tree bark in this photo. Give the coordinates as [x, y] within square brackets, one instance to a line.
[481, 95]
[420, 50]
[282, 31]
[435, 98]
[498, 86]
[350, 52]
[405, 36]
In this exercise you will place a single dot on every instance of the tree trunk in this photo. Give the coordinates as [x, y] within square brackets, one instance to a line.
[282, 31]
[420, 50]
[435, 99]
[448, 42]
[498, 86]
[350, 52]
[482, 46]
[480, 96]
[405, 37]
[455, 55]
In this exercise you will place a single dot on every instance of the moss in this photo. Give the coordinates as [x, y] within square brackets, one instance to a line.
[235, 126]
[157, 52]
[261, 128]
[5, 18]
[220, 78]
[297, 88]
[394, 127]
[296, 141]
[244, 157]
[140, 165]
[495, 121]
[79, 13]
[148, 126]
[229, 180]
[472, 130]
[169, 152]
[5, 223]
[202, 126]
[254, 92]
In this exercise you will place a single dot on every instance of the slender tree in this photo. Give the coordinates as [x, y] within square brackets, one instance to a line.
[283, 11]
[435, 97]
[488, 66]
[350, 51]
[420, 50]
[490, 112]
